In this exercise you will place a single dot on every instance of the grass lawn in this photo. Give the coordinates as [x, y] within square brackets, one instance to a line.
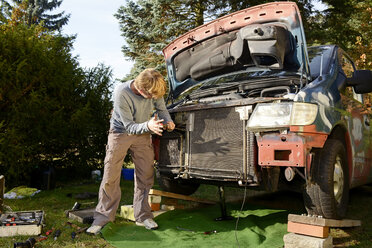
[55, 202]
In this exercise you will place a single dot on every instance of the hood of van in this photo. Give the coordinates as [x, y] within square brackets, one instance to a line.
[267, 40]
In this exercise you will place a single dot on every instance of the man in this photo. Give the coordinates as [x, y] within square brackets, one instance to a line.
[130, 128]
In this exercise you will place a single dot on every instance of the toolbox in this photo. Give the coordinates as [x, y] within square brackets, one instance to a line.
[21, 223]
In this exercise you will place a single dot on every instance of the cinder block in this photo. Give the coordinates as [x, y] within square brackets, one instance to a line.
[306, 229]
[292, 240]
[155, 206]
[154, 202]
[167, 207]
[126, 211]
[154, 199]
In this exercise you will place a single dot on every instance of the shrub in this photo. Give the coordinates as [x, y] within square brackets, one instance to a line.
[52, 112]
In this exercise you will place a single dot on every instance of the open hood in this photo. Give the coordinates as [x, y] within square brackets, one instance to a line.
[267, 37]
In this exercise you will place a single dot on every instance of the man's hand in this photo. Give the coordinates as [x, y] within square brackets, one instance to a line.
[170, 126]
[155, 125]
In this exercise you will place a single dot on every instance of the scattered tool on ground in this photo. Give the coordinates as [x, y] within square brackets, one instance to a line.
[50, 231]
[56, 234]
[76, 206]
[41, 238]
[78, 229]
[29, 243]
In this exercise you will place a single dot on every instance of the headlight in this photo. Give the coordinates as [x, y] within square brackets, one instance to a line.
[274, 115]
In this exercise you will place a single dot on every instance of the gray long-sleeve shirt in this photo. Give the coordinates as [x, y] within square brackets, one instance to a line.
[132, 112]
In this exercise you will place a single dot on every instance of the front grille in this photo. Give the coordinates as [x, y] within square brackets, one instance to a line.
[211, 147]
[171, 149]
[216, 144]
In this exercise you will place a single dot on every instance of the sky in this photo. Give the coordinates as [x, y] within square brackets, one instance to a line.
[98, 33]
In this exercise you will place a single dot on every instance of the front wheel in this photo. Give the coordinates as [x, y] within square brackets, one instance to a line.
[177, 186]
[327, 194]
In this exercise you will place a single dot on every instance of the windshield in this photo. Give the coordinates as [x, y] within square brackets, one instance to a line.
[319, 57]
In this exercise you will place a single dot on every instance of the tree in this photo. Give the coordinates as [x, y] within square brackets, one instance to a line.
[347, 23]
[52, 112]
[35, 12]
[333, 23]
[149, 25]
[361, 21]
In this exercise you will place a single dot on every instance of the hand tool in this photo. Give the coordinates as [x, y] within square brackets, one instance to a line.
[56, 234]
[29, 243]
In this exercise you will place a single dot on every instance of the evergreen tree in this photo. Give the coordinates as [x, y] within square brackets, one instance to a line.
[149, 25]
[347, 23]
[5, 11]
[52, 112]
[35, 12]
[333, 23]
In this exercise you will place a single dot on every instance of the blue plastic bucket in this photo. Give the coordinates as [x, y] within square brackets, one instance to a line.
[127, 174]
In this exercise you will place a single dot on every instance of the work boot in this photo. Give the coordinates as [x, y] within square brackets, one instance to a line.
[148, 223]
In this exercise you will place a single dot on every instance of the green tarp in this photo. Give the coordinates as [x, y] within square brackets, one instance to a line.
[257, 227]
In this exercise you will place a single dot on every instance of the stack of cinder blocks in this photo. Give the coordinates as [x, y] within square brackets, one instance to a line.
[312, 231]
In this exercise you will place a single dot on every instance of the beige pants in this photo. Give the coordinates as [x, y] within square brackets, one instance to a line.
[142, 153]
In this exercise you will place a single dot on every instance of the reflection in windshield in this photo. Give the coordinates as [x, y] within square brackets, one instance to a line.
[319, 57]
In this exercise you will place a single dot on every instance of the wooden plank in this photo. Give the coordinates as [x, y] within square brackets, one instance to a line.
[178, 196]
[310, 230]
[313, 220]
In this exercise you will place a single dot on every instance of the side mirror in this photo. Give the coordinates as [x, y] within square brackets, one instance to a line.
[361, 81]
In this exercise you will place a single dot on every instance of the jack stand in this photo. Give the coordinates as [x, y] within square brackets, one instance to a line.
[224, 216]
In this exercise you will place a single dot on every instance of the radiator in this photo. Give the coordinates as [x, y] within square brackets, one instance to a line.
[212, 147]
[216, 144]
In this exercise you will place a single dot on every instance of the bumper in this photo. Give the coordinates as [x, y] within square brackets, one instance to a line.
[288, 149]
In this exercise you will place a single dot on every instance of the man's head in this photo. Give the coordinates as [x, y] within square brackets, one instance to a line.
[150, 84]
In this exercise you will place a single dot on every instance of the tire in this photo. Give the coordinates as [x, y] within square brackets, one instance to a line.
[177, 186]
[327, 194]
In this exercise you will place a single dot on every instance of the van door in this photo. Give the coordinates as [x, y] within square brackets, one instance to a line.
[358, 125]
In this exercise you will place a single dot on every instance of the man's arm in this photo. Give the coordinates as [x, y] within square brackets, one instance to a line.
[164, 114]
[132, 127]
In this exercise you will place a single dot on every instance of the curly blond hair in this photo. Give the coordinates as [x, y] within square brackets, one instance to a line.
[151, 81]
